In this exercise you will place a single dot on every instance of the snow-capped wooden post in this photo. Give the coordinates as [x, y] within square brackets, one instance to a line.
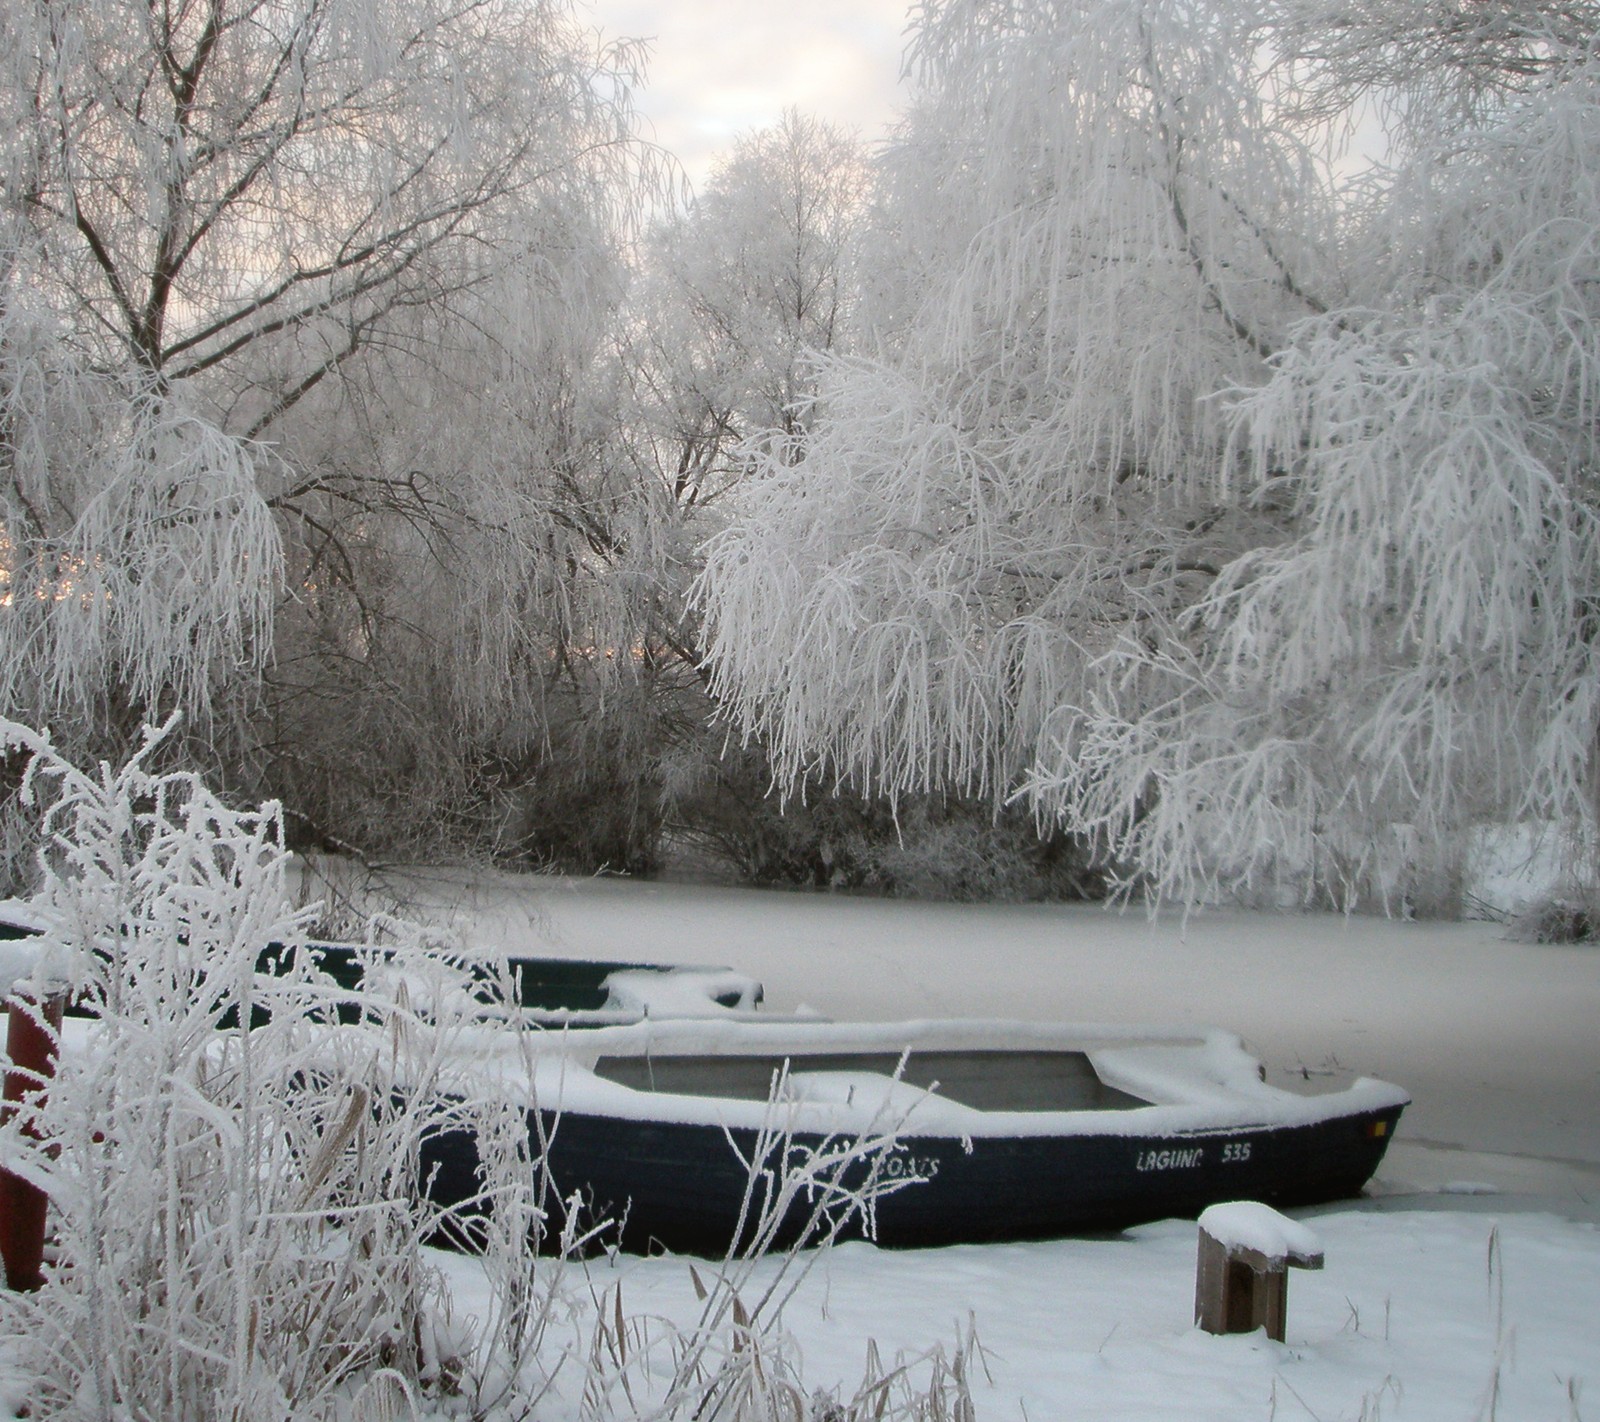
[33, 1032]
[1241, 1277]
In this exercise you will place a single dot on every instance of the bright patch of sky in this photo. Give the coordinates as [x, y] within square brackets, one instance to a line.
[723, 68]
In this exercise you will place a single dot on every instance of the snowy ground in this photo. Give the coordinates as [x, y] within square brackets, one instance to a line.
[1466, 1286]
[1418, 1317]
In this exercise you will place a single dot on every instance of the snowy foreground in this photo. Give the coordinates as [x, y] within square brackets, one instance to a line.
[1417, 1316]
[1465, 1286]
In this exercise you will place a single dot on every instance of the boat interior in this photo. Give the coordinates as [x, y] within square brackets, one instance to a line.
[982, 1080]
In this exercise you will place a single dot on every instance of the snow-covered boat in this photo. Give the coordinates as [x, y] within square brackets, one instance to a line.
[577, 991]
[1012, 1130]
[654, 1111]
[551, 991]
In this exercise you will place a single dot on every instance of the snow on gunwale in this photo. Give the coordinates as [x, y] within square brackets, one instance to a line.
[1188, 1081]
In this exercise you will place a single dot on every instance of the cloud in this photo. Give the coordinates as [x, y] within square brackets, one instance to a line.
[722, 68]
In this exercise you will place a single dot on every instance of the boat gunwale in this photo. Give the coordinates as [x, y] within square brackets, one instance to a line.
[1229, 1097]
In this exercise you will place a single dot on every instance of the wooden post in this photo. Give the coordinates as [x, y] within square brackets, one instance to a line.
[1241, 1274]
[33, 1034]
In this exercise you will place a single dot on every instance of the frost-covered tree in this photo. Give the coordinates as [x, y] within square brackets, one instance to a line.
[1421, 653]
[1241, 524]
[251, 257]
[735, 289]
[209, 177]
[464, 558]
[1091, 223]
[727, 293]
[1424, 67]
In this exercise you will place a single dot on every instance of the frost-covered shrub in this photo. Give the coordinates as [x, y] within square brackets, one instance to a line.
[724, 820]
[239, 1227]
[1570, 916]
[954, 849]
[236, 1212]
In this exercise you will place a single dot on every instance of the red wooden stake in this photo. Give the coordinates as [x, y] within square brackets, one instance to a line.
[31, 1050]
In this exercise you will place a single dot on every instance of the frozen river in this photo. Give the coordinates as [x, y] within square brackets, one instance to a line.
[1497, 1042]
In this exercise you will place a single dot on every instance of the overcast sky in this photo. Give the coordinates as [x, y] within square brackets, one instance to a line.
[721, 68]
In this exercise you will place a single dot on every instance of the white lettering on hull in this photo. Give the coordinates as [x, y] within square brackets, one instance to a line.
[1170, 1159]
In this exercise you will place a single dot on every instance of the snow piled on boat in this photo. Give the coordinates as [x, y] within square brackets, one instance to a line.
[1193, 1081]
[686, 992]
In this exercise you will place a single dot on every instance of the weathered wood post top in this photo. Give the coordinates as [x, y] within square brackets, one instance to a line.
[1241, 1275]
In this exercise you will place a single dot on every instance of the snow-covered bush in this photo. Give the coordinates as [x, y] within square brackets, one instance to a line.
[236, 1211]
[232, 1160]
[1558, 918]
[724, 818]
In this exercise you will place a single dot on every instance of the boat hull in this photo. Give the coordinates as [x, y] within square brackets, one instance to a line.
[682, 1186]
